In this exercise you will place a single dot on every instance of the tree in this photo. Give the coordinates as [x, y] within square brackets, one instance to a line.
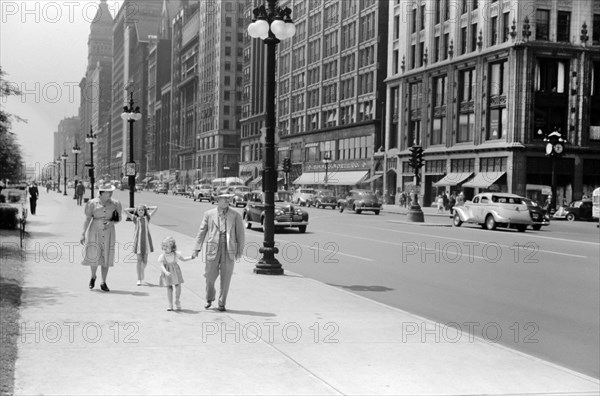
[11, 159]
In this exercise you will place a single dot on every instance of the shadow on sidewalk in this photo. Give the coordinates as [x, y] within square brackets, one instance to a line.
[372, 288]
[112, 291]
[42, 295]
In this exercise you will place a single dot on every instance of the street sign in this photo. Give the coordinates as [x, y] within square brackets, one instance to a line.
[130, 169]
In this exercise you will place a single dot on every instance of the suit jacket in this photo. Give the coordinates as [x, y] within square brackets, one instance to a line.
[33, 192]
[207, 239]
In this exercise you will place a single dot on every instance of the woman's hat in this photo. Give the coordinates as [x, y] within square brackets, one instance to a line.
[106, 187]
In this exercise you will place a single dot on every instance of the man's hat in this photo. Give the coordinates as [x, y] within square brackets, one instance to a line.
[106, 187]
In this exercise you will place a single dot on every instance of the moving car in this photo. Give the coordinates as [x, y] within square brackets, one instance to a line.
[286, 214]
[538, 215]
[360, 201]
[324, 199]
[303, 196]
[240, 195]
[202, 192]
[577, 210]
[161, 189]
[492, 210]
[179, 190]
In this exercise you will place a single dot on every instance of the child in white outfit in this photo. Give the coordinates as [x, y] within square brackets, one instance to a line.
[171, 275]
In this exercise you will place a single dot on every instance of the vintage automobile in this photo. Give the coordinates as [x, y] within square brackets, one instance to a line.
[202, 192]
[303, 196]
[286, 214]
[538, 215]
[240, 195]
[324, 199]
[492, 210]
[577, 210]
[179, 190]
[360, 201]
[161, 189]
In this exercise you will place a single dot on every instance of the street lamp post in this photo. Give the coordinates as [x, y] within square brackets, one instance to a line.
[326, 160]
[57, 162]
[131, 115]
[271, 24]
[555, 146]
[75, 150]
[64, 158]
[91, 139]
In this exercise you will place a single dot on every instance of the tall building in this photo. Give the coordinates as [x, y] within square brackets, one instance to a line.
[218, 93]
[134, 25]
[479, 84]
[330, 93]
[95, 99]
[64, 140]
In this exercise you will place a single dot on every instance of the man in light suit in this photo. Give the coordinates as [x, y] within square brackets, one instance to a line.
[222, 238]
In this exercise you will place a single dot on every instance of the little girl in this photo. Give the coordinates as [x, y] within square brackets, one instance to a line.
[142, 240]
[171, 273]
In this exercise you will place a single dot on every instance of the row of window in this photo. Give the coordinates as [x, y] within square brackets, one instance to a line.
[349, 114]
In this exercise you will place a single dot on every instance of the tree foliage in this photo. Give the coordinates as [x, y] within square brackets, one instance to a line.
[11, 159]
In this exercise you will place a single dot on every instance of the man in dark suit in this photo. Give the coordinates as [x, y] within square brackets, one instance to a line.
[33, 197]
[222, 238]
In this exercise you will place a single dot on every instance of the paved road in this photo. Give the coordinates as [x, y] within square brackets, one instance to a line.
[537, 292]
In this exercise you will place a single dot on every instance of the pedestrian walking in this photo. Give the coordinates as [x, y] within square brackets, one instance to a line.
[79, 192]
[33, 197]
[446, 201]
[101, 215]
[452, 202]
[48, 186]
[440, 204]
[142, 240]
[171, 276]
[222, 238]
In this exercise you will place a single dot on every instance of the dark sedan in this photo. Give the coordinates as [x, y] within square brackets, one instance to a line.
[577, 210]
[360, 201]
[538, 215]
[286, 214]
[324, 199]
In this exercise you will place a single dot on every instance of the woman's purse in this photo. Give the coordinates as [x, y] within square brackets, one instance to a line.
[115, 216]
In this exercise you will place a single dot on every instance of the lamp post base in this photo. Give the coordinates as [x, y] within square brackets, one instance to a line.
[268, 264]
[415, 213]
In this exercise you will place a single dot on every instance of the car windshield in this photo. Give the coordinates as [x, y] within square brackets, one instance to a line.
[507, 200]
[283, 197]
[326, 193]
[307, 191]
[576, 204]
[242, 190]
[205, 186]
[367, 195]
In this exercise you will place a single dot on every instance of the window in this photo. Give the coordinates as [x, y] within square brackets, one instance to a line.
[494, 31]
[563, 26]
[505, 27]
[439, 110]
[466, 119]
[467, 85]
[498, 79]
[420, 56]
[463, 40]
[542, 25]
[492, 164]
[413, 20]
[446, 45]
[436, 49]
[498, 120]
[596, 30]
[473, 37]
[414, 129]
[422, 17]
[551, 75]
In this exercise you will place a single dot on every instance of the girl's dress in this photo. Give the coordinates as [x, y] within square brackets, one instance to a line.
[170, 262]
[142, 240]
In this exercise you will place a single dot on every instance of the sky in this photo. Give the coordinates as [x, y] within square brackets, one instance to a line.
[43, 51]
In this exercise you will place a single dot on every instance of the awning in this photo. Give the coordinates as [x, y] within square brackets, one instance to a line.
[349, 178]
[256, 181]
[147, 179]
[484, 179]
[310, 178]
[370, 179]
[453, 179]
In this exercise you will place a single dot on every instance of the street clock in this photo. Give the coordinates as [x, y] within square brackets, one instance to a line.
[558, 148]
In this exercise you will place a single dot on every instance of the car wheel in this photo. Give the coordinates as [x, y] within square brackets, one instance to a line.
[490, 223]
[358, 211]
[457, 221]
[537, 227]
[521, 227]
[341, 208]
[318, 205]
[570, 217]
[248, 224]
[302, 228]
[376, 212]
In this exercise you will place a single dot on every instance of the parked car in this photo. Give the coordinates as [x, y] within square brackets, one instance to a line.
[202, 192]
[287, 215]
[538, 215]
[217, 191]
[576, 210]
[303, 196]
[360, 201]
[492, 210]
[178, 190]
[324, 199]
[161, 189]
[240, 195]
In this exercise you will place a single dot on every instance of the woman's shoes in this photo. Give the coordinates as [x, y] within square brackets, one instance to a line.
[92, 282]
[178, 305]
[139, 283]
[169, 308]
[104, 287]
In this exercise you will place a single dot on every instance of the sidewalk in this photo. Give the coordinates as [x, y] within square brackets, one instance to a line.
[281, 335]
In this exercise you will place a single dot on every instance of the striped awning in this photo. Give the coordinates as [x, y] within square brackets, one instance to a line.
[484, 179]
[453, 179]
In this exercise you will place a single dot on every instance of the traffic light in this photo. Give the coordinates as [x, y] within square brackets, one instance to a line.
[416, 157]
[287, 165]
[419, 161]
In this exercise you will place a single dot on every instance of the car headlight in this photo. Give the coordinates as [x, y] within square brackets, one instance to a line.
[298, 211]
[278, 213]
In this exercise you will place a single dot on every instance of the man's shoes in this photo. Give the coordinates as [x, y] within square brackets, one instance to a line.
[139, 283]
[92, 282]
[208, 304]
[222, 308]
[104, 287]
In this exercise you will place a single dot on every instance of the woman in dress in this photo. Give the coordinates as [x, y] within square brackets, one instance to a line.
[142, 240]
[101, 214]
